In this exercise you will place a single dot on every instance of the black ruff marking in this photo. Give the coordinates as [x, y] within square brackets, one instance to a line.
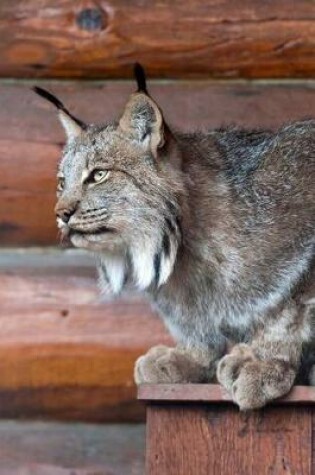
[104, 271]
[170, 225]
[179, 226]
[157, 267]
[172, 207]
[174, 214]
[166, 245]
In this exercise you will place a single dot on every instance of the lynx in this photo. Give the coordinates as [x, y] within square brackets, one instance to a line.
[216, 228]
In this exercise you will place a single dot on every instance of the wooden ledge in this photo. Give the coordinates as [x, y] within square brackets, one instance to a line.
[213, 393]
[195, 429]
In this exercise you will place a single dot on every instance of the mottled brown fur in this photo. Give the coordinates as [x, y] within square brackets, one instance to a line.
[217, 228]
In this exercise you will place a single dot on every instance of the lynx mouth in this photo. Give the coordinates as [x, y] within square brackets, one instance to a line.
[95, 232]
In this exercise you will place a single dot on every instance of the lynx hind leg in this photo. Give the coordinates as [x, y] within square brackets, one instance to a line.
[162, 365]
[255, 374]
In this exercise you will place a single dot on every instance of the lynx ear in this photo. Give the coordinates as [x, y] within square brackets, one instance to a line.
[72, 126]
[142, 121]
[140, 78]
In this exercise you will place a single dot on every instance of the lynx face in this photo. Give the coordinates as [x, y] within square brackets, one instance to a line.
[119, 195]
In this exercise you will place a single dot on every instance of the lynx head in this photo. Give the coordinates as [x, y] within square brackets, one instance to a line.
[119, 192]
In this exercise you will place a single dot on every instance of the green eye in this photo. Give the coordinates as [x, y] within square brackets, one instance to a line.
[98, 176]
[60, 184]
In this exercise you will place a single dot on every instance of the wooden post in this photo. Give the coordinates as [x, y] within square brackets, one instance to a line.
[197, 430]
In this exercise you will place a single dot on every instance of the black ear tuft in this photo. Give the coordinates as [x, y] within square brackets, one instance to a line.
[57, 103]
[49, 97]
[140, 78]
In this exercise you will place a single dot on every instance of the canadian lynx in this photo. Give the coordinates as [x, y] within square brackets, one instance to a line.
[216, 228]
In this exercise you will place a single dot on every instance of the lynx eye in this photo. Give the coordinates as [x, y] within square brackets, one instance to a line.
[98, 176]
[60, 184]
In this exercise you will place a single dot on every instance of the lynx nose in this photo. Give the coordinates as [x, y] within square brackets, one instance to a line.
[65, 213]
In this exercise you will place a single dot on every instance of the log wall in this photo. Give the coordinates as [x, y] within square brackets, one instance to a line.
[212, 63]
[64, 352]
[216, 38]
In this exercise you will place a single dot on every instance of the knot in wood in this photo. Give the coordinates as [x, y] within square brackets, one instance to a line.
[91, 19]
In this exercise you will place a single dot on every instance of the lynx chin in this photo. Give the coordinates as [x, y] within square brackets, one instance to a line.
[216, 228]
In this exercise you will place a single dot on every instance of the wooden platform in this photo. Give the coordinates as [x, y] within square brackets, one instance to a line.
[196, 429]
[213, 393]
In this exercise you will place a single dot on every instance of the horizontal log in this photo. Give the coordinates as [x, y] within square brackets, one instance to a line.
[31, 138]
[43, 469]
[65, 354]
[99, 39]
[41, 448]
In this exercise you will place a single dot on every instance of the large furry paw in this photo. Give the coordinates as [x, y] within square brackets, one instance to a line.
[162, 365]
[253, 382]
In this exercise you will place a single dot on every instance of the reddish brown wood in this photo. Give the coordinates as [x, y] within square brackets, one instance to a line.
[217, 38]
[218, 439]
[195, 429]
[41, 448]
[40, 469]
[31, 137]
[213, 393]
[188, 105]
[63, 353]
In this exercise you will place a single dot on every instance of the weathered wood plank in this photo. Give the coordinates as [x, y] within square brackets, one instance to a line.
[40, 469]
[214, 393]
[39, 448]
[63, 353]
[209, 439]
[218, 38]
[30, 136]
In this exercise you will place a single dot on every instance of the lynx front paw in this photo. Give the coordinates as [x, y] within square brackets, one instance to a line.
[230, 366]
[163, 365]
[253, 382]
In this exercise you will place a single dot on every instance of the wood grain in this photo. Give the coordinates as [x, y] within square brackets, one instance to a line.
[31, 137]
[43, 469]
[206, 439]
[214, 393]
[41, 448]
[64, 354]
[98, 39]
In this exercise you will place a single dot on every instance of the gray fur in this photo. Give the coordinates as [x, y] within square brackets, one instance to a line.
[218, 230]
